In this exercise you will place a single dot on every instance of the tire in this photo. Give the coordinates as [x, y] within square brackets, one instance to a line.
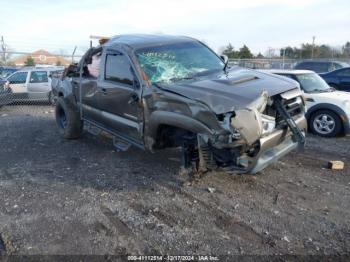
[68, 119]
[325, 123]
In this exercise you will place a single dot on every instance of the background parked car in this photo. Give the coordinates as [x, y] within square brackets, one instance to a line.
[338, 79]
[32, 84]
[5, 96]
[328, 110]
[5, 71]
[320, 66]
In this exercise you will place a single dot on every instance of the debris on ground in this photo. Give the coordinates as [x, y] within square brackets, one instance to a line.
[285, 238]
[6, 245]
[211, 189]
[336, 165]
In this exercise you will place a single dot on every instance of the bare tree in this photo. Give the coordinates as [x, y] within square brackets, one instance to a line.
[6, 52]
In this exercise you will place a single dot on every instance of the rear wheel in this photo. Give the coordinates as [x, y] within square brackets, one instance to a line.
[325, 123]
[68, 120]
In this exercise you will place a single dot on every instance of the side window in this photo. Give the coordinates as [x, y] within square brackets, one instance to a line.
[38, 77]
[320, 67]
[344, 73]
[118, 69]
[18, 78]
[94, 66]
[303, 65]
[337, 66]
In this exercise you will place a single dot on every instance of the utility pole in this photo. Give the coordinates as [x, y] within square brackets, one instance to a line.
[284, 55]
[75, 49]
[3, 49]
[313, 46]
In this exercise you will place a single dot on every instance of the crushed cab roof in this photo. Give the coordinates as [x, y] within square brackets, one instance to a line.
[145, 40]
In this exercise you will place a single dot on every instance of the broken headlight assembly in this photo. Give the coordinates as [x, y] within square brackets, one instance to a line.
[268, 124]
[251, 123]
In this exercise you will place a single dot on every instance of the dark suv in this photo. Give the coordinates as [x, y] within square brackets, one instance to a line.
[157, 92]
[320, 66]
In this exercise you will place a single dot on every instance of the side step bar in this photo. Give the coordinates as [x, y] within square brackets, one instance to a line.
[119, 142]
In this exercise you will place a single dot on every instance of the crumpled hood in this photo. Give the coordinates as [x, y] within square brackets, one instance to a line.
[234, 90]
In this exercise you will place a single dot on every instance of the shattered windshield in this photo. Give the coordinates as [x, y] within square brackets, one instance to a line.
[179, 61]
[312, 83]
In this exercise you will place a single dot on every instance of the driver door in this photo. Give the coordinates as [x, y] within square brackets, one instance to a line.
[119, 96]
[38, 86]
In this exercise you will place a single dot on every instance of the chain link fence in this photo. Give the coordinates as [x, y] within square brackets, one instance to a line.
[23, 87]
[27, 89]
[277, 63]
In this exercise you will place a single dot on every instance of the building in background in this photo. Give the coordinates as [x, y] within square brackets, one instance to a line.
[41, 57]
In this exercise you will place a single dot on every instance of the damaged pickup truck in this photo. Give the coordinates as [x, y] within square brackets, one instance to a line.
[157, 92]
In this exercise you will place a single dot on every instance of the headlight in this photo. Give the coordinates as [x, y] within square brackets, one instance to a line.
[268, 124]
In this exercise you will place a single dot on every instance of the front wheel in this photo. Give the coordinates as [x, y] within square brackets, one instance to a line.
[68, 120]
[325, 123]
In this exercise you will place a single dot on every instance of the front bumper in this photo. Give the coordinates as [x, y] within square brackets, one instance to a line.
[276, 145]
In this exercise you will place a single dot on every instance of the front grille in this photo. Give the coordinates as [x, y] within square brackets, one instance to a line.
[294, 107]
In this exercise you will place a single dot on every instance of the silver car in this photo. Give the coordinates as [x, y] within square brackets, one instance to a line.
[32, 83]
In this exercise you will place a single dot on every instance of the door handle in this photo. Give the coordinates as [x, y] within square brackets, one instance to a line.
[104, 91]
[133, 99]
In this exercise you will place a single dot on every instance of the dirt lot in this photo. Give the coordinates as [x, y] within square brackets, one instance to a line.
[83, 197]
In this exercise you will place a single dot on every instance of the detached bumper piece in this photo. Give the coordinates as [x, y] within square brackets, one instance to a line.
[282, 141]
[298, 135]
[274, 153]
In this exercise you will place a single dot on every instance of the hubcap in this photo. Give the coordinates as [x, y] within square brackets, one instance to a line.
[324, 124]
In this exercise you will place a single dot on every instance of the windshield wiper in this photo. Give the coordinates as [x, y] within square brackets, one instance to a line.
[319, 90]
[181, 78]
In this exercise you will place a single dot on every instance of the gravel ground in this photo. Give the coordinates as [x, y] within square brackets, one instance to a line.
[82, 197]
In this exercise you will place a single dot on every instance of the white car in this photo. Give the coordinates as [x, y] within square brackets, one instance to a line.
[32, 84]
[328, 110]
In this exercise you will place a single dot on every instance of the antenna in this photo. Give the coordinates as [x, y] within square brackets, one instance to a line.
[75, 49]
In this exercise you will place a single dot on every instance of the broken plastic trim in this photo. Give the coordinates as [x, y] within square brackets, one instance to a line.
[250, 122]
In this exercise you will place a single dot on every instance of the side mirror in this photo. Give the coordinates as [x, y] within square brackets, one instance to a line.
[136, 83]
[224, 59]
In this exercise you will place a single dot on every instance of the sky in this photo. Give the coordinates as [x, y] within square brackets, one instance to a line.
[59, 26]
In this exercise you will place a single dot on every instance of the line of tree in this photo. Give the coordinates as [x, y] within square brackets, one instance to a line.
[316, 51]
[305, 51]
[243, 53]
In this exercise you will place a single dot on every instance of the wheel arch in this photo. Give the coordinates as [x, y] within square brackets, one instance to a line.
[160, 119]
[333, 108]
